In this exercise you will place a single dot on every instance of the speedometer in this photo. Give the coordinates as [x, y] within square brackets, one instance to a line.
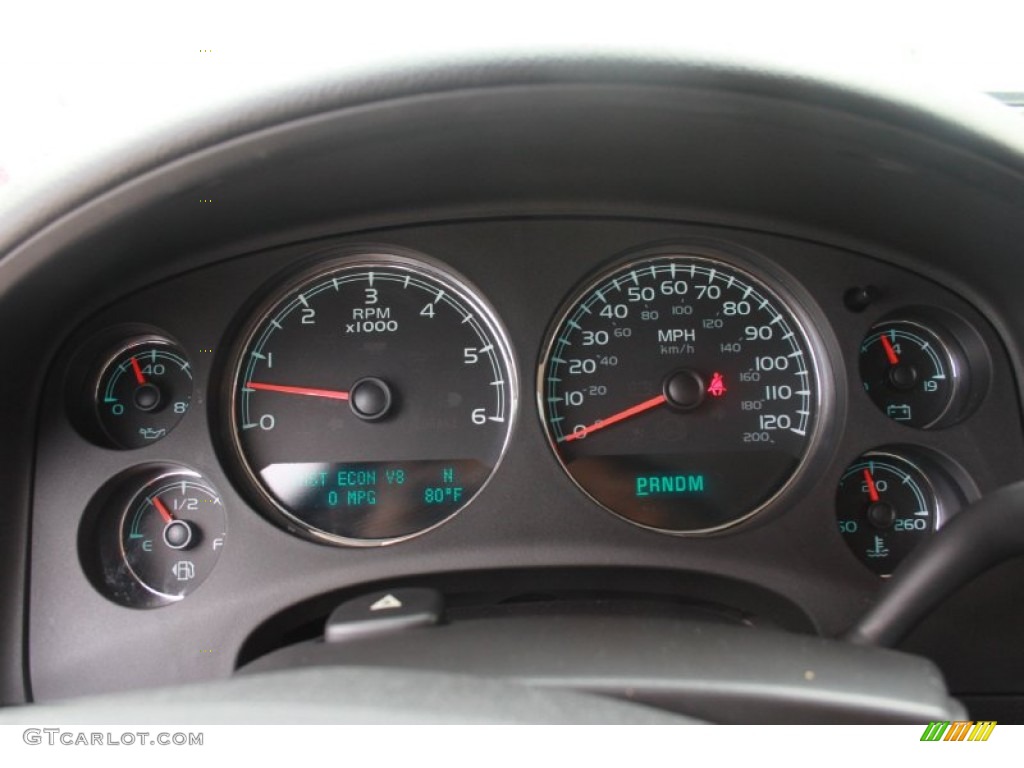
[681, 392]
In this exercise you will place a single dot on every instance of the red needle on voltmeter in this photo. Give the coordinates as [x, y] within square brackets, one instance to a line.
[646, 405]
[872, 490]
[138, 372]
[889, 351]
[162, 509]
[332, 394]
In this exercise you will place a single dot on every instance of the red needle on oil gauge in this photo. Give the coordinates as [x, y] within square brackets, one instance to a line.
[646, 405]
[138, 372]
[162, 509]
[889, 351]
[331, 394]
[872, 490]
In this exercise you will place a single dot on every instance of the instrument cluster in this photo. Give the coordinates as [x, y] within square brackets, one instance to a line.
[365, 394]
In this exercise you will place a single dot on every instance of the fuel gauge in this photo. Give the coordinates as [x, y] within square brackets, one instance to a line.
[152, 535]
[172, 533]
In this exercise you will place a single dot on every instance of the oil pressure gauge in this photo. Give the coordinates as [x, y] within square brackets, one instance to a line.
[141, 391]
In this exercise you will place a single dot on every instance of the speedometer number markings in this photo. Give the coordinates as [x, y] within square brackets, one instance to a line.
[679, 392]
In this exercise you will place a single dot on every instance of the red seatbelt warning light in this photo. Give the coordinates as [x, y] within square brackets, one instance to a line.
[717, 387]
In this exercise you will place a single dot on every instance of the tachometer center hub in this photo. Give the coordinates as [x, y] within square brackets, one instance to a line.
[370, 399]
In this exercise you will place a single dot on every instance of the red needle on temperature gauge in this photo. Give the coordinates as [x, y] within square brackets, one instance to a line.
[332, 394]
[889, 351]
[165, 513]
[646, 405]
[872, 490]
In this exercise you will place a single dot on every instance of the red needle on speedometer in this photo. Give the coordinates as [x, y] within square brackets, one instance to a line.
[889, 351]
[872, 490]
[646, 405]
[332, 394]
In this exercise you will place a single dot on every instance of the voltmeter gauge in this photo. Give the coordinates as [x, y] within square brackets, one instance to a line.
[156, 535]
[915, 372]
[888, 502]
[142, 391]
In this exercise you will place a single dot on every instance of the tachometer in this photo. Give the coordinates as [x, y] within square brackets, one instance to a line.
[371, 400]
[680, 392]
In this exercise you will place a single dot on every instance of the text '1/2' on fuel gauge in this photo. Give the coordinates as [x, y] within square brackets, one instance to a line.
[889, 503]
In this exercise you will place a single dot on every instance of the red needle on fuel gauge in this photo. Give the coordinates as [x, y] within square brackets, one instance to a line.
[165, 513]
[872, 490]
[646, 405]
[332, 394]
[889, 351]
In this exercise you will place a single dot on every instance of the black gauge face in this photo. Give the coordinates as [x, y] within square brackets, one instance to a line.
[372, 399]
[911, 373]
[152, 535]
[680, 392]
[143, 391]
[886, 505]
[172, 533]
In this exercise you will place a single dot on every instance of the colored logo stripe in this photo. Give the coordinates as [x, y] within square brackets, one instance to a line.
[958, 730]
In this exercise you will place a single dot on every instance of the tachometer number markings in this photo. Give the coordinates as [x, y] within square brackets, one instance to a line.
[403, 372]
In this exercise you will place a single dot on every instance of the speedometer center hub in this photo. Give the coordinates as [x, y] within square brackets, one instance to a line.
[684, 390]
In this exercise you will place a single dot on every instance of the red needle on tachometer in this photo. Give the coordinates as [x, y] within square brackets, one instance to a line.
[138, 372]
[872, 490]
[889, 351]
[646, 405]
[162, 509]
[332, 394]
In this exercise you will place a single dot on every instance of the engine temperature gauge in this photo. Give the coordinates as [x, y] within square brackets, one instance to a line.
[888, 503]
